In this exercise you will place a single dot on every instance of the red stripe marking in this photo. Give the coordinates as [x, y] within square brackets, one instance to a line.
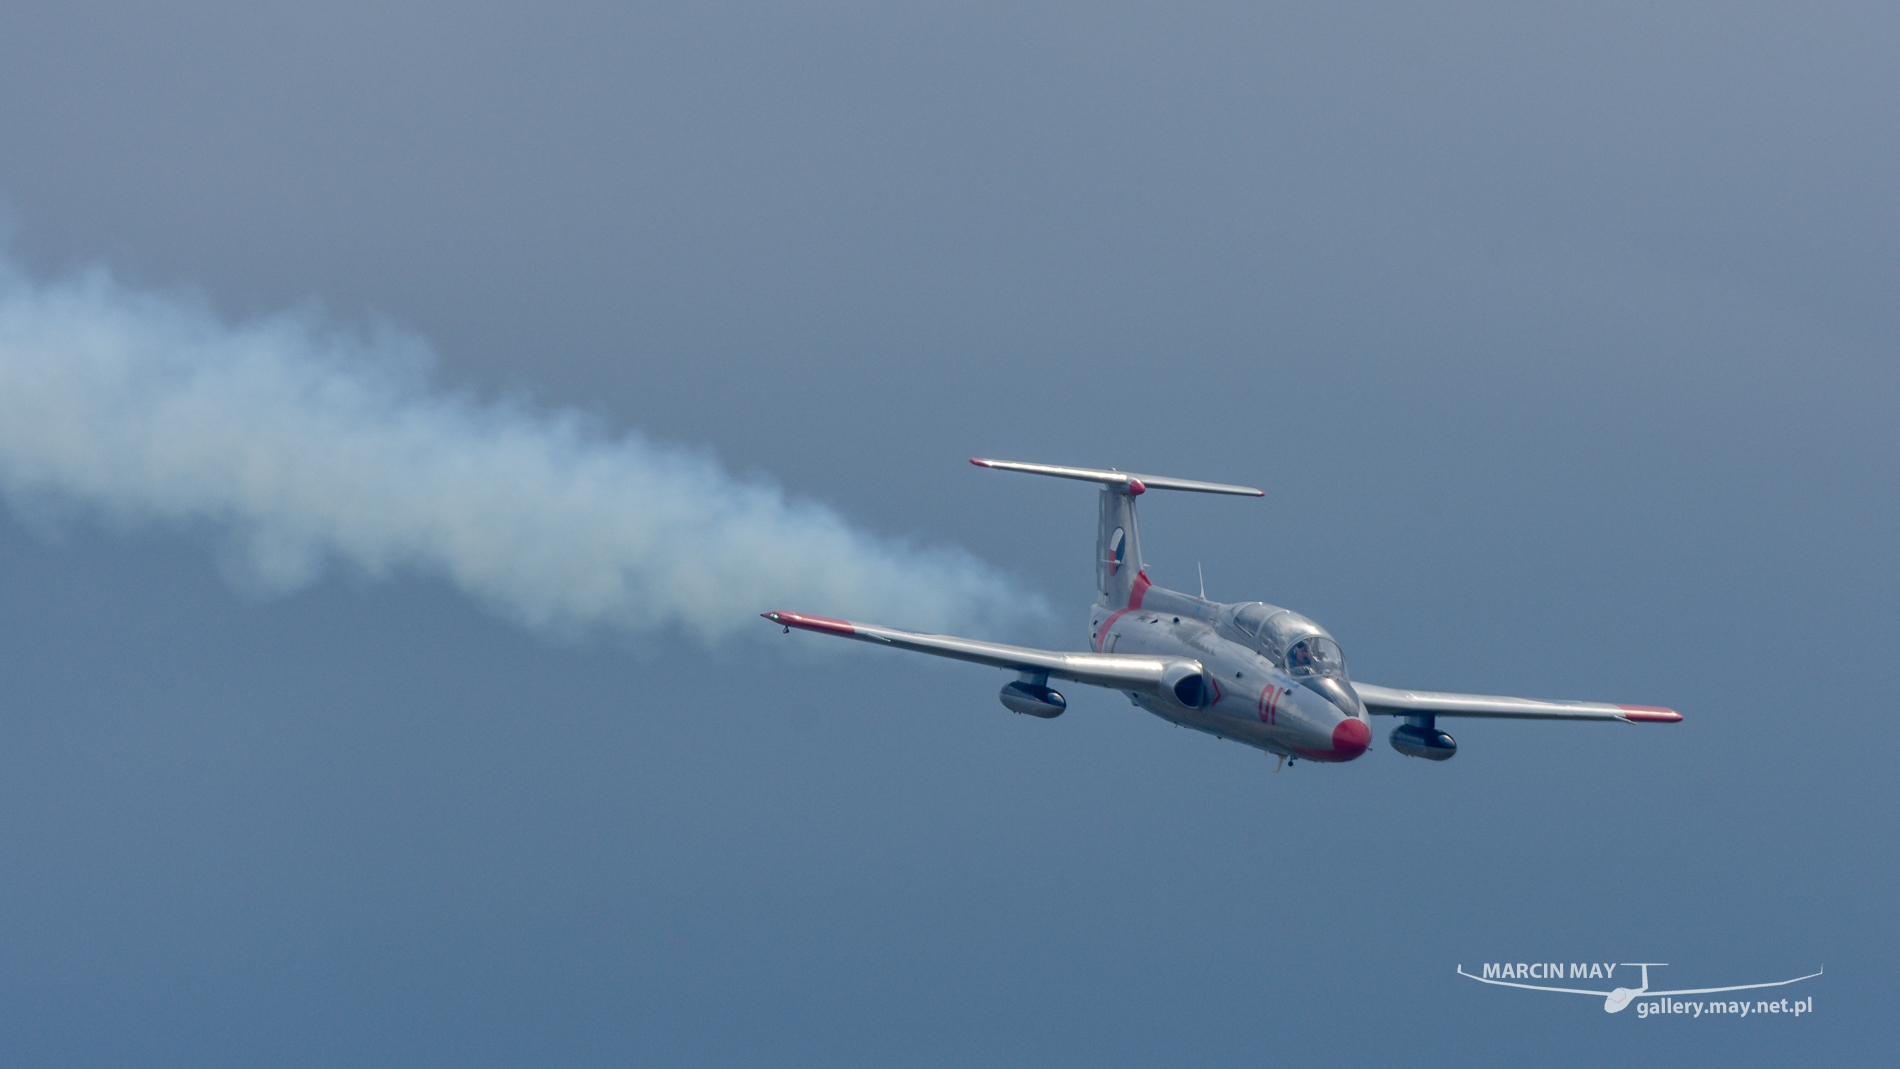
[826, 624]
[1350, 739]
[1140, 590]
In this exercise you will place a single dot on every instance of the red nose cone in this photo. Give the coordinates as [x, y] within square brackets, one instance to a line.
[1350, 739]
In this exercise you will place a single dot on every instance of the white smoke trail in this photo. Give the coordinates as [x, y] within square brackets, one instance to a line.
[307, 445]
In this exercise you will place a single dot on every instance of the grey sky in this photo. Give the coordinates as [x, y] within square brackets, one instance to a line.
[1565, 339]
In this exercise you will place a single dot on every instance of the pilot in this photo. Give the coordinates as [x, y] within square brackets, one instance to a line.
[1299, 657]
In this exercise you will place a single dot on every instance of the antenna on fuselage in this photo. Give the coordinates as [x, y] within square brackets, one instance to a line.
[1203, 578]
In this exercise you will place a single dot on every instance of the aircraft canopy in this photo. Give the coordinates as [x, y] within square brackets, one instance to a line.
[1291, 641]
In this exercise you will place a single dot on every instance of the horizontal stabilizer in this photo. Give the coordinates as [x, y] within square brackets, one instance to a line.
[1134, 484]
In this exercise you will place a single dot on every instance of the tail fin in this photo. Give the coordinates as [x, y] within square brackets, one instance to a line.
[1118, 567]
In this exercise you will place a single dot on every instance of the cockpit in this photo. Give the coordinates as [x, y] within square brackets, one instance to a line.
[1291, 641]
[1316, 656]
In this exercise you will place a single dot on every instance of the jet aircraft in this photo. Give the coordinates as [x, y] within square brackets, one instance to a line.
[1252, 672]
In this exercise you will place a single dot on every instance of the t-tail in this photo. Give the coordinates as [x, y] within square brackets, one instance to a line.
[1119, 575]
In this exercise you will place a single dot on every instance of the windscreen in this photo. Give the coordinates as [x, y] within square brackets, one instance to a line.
[1316, 656]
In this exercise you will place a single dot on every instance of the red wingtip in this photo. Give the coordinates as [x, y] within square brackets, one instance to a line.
[979, 462]
[1650, 714]
[826, 624]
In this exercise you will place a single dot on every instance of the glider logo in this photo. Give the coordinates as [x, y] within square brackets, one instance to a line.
[1647, 1002]
[1117, 542]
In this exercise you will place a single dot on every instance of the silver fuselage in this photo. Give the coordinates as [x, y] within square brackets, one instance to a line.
[1253, 700]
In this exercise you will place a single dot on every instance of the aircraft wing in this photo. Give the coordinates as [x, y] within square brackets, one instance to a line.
[1117, 671]
[1385, 701]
